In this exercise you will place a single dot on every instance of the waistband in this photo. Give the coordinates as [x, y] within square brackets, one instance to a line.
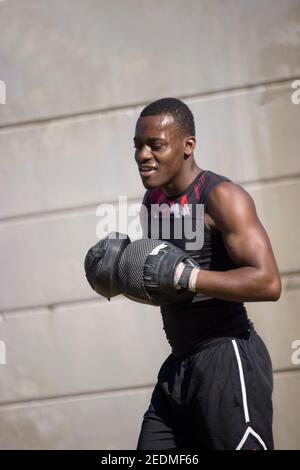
[194, 327]
[240, 333]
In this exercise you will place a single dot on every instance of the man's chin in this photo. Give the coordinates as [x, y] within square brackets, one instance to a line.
[148, 184]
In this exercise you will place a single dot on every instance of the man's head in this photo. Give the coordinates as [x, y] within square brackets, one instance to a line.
[165, 141]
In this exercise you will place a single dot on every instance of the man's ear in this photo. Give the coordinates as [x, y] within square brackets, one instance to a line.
[189, 146]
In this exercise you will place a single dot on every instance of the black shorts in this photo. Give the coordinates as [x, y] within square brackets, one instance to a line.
[217, 398]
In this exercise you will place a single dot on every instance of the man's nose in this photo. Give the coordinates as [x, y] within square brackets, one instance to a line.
[143, 154]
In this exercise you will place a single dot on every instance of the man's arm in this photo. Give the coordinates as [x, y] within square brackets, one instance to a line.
[257, 277]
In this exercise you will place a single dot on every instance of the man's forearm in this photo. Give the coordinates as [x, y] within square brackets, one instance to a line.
[246, 284]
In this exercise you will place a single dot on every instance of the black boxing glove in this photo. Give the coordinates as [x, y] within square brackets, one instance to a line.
[157, 272]
[101, 264]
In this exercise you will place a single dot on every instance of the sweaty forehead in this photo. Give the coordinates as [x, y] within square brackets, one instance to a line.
[155, 126]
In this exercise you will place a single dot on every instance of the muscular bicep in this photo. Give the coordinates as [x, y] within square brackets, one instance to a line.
[245, 238]
[248, 245]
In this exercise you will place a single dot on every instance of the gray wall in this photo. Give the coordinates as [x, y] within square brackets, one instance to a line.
[80, 370]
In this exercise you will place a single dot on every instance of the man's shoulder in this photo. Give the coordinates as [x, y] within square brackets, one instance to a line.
[229, 199]
[210, 175]
[208, 181]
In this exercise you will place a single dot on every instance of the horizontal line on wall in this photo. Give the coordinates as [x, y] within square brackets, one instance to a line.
[53, 213]
[136, 106]
[79, 303]
[289, 274]
[267, 182]
[287, 370]
[48, 400]
[51, 399]
[85, 209]
[32, 310]
[113, 392]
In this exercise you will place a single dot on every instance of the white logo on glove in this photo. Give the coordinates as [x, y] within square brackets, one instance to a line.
[157, 249]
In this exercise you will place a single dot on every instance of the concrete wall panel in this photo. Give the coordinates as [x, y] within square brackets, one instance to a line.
[42, 260]
[286, 411]
[79, 349]
[242, 135]
[109, 421]
[278, 322]
[59, 58]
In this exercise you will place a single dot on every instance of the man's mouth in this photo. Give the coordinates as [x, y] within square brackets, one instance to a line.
[147, 170]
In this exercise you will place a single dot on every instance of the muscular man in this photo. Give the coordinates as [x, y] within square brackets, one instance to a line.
[214, 390]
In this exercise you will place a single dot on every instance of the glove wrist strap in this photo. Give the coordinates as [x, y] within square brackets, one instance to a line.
[193, 279]
[186, 277]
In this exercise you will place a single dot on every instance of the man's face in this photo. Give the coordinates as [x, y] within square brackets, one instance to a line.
[159, 150]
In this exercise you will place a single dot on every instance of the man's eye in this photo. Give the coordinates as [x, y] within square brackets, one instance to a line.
[153, 147]
[156, 147]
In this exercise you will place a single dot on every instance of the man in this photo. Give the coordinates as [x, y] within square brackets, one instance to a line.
[214, 390]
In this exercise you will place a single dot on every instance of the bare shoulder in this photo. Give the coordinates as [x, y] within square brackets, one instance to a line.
[229, 204]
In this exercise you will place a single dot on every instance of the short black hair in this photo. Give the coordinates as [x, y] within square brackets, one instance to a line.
[181, 113]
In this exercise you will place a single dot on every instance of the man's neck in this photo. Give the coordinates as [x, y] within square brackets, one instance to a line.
[175, 188]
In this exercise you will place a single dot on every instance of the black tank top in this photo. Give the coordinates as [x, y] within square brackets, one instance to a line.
[190, 325]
